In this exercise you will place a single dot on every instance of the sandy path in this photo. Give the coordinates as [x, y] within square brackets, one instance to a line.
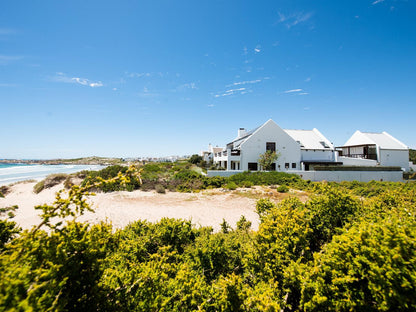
[121, 208]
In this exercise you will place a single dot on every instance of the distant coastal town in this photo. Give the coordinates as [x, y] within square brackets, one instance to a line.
[94, 160]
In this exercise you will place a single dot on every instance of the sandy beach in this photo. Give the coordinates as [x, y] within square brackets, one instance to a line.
[207, 208]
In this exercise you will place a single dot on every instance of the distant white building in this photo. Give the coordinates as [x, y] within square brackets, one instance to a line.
[374, 149]
[209, 154]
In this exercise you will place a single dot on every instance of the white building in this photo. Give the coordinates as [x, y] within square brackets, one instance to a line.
[209, 154]
[316, 149]
[298, 149]
[374, 149]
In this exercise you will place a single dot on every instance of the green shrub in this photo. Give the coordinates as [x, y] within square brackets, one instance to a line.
[4, 190]
[282, 189]
[231, 186]
[370, 267]
[160, 189]
[247, 184]
[113, 183]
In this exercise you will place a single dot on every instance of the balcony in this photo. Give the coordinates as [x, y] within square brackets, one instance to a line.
[362, 156]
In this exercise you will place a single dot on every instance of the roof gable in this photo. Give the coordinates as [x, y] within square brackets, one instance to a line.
[383, 140]
[310, 139]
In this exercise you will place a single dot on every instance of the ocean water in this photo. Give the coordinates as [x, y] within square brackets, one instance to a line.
[10, 173]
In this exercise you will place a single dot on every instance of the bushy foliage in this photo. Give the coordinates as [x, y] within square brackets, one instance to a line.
[370, 267]
[269, 178]
[195, 159]
[8, 228]
[115, 178]
[334, 252]
[267, 159]
[282, 189]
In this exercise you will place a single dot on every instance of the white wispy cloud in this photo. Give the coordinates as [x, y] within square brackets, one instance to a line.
[187, 86]
[61, 77]
[137, 75]
[244, 82]
[8, 85]
[293, 91]
[294, 19]
[257, 49]
[377, 1]
[296, 92]
[146, 75]
[6, 59]
[308, 79]
[231, 92]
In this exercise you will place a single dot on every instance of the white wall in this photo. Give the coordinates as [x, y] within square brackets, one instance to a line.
[331, 176]
[255, 145]
[311, 155]
[350, 161]
[361, 176]
[395, 158]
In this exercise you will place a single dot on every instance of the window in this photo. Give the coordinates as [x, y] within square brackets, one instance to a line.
[252, 166]
[293, 165]
[273, 167]
[271, 146]
[324, 144]
[287, 165]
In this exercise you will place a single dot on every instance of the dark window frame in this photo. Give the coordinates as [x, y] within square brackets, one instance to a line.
[271, 146]
[252, 165]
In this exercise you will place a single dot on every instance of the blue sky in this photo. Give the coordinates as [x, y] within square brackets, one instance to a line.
[158, 78]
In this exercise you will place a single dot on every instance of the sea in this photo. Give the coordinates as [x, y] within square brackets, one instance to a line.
[11, 173]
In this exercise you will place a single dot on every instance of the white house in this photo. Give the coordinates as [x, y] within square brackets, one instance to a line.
[298, 149]
[375, 149]
[209, 155]
[316, 149]
[243, 152]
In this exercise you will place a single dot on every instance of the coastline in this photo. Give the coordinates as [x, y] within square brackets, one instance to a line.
[22, 172]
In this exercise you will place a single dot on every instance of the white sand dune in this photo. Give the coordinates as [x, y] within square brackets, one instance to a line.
[120, 208]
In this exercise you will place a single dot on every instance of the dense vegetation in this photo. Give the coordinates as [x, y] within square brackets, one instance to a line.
[412, 155]
[335, 252]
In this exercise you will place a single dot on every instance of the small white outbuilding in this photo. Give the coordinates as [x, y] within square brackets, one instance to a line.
[382, 148]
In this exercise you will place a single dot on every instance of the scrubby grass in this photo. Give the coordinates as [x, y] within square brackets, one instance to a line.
[50, 181]
[4, 190]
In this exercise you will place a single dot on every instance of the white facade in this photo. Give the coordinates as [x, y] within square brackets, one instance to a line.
[243, 153]
[301, 150]
[315, 147]
[380, 147]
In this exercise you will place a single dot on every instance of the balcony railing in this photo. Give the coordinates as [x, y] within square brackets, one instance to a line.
[225, 153]
[362, 156]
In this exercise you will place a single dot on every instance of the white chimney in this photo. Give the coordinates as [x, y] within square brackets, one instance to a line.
[241, 132]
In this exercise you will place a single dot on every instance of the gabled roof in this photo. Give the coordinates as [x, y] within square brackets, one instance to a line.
[383, 140]
[239, 140]
[310, 139]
